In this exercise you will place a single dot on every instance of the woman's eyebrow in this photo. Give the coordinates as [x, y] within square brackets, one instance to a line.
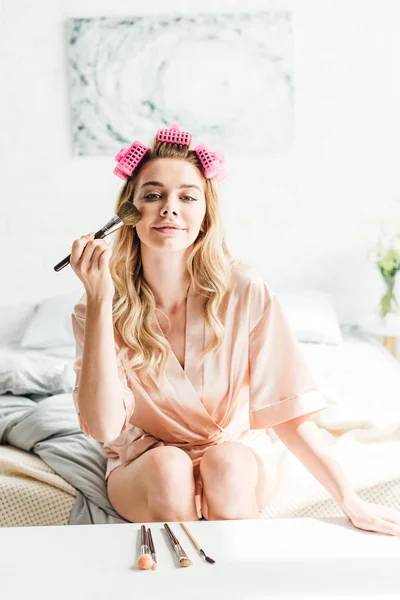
[159, 184]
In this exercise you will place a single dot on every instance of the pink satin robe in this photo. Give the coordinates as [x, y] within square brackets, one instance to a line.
[258, 379]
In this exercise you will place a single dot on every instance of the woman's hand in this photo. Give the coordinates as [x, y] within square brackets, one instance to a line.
[89, 260]
[373, 517]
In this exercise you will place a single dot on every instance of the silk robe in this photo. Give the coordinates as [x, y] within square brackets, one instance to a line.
[259, 378]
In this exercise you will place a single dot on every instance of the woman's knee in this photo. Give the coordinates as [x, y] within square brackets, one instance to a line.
[170, 480]
[230, 478]
[166, 465]
[148, 489]
[231, 462]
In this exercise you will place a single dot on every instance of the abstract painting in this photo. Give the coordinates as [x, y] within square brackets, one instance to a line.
[226, 78]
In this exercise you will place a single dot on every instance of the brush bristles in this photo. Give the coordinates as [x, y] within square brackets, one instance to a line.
[154, 567]
[185, 562]
[129, 214]
[145, 561]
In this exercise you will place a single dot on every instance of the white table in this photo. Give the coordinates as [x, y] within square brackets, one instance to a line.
[266, 558]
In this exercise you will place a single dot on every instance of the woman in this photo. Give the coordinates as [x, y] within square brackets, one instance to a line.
[185, 437]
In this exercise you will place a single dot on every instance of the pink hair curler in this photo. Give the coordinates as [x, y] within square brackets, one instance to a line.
[128, 159]
[212, 161]
[174, 135]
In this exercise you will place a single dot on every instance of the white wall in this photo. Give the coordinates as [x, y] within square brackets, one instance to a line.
[306, 216]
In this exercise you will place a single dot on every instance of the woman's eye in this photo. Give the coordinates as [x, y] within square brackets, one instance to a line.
[153, 195]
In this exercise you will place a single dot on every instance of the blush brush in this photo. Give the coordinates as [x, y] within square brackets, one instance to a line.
[127, 214]
[145, 560]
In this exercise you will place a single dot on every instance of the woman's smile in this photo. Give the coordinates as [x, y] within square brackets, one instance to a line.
[167, 230]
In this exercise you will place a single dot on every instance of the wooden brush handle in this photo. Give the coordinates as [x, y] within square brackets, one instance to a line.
[191, 537]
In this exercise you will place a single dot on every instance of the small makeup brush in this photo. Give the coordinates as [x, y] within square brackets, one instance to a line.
[183, 557]
[197, 545]
[152, 549]
[144, 561]
[127, 214]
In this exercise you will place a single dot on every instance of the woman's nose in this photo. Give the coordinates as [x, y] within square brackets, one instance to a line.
[170, 205]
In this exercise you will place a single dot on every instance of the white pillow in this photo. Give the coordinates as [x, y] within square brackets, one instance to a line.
[26, 372]
[51, 323]
[312, 316]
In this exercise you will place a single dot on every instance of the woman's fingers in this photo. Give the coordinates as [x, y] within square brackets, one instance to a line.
[77, 249]
[89, 260]
[387, 527]
[104, 257]
[92, 252]
[81, 248]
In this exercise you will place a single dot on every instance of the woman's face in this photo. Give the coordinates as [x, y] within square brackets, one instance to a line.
[169, 190]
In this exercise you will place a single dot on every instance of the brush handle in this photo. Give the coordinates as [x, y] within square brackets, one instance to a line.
[63, 263]
[151, 545]
[110, 227]
[171, 534]
[191, 537]
[172, 542]
[144, 537]
[175, 543]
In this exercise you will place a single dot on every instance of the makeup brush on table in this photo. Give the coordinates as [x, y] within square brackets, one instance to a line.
[127, 214]
[152, 549]
[197, 545]
[183, 557]
[144, 561]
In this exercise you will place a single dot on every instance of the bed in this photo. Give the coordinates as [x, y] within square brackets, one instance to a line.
[51, 473]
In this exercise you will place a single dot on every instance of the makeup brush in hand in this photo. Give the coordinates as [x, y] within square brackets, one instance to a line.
[127, 214]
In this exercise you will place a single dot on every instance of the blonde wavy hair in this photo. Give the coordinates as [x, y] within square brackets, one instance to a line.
[209, 269]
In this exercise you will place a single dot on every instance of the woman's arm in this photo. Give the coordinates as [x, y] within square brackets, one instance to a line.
[99, 389]
[303, 438]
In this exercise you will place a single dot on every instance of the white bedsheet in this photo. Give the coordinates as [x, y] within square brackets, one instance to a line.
[361, 381]
[360, 375]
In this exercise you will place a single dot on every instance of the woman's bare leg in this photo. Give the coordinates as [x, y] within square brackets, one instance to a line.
[234, 482]
[157, 486]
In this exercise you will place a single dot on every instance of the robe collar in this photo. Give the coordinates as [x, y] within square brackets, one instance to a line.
[187, 385]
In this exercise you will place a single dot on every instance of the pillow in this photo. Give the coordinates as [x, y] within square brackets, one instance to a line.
[51, 323]
[312, 316]
[24, 373]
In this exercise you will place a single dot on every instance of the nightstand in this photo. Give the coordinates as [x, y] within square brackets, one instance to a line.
[388, 329]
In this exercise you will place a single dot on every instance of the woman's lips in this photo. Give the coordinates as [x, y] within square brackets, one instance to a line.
[166, 230]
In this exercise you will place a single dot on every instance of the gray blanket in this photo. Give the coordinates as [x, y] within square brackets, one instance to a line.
[49, 428]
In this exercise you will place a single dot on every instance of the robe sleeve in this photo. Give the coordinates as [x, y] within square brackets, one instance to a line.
[78, 328]
[281, 385]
